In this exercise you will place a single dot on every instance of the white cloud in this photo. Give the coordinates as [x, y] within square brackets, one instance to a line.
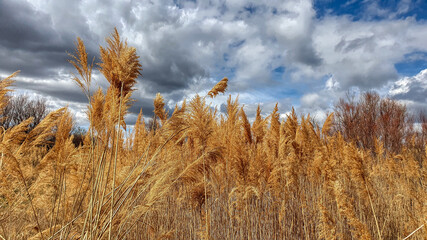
[310, 99]
[411, 91]
[401, 86]
[363, 53]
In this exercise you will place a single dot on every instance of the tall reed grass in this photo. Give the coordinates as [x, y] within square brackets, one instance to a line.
[199, 174]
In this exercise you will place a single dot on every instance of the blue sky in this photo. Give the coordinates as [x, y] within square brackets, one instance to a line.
[300, 53]
[372, 10]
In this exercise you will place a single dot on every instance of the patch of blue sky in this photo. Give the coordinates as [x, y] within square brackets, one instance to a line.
[250, 8]
[180, 3]
[277, 74]
[372, 9]
[286, 89]
[420, 11]
[275, 94]
[336, 7]
[237, 44]
[221, 71]
[279, 70]
[412, 64]
[226, 57]
[288, 92]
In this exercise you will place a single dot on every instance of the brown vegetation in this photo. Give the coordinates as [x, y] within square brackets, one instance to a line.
[20, 108]
[206, 175]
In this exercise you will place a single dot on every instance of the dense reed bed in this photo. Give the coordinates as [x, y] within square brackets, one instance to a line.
[199, 174]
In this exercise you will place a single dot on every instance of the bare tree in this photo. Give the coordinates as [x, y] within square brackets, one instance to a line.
[153, 124]
[79, 134]
[22, 107]
[346, 116]
[373, 118]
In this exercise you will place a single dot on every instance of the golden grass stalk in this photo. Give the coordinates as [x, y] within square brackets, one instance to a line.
[115, 163]
[412, 233]
[80, 62]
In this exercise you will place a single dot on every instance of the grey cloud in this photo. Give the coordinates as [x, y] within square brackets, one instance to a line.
[365, 77]
[171, 70]
[416, 93]
[33, 63]
[346, 46]
[22, 27]
[146, 104]
[306, 54]
[67, 93]
[293, 29]
[32, 42]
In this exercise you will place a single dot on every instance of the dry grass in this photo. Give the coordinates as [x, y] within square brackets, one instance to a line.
[200, 174]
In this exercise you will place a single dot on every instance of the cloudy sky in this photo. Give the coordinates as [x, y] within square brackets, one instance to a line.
[300, 53]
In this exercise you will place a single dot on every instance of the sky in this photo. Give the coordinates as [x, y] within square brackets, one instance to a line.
[301, 53]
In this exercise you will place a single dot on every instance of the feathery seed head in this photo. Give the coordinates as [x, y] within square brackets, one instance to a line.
[4, 84]
[159, 109]
[120, 64]
[80, 63]
[220, 87]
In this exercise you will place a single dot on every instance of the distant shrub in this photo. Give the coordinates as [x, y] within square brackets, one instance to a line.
[21, 107]
[373, 118]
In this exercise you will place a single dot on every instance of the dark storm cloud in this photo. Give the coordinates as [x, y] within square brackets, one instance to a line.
[33, 63]
[28, 42]
[31, 42]
[185, 46]
[146, 104]
[37, 43]
[177, 71]
[26, 29]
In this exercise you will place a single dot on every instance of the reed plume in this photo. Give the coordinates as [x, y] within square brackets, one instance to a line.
[4, 89]
[246, 126]
[220, 87]
[159, 109]
[79, 60]
[120, 64]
